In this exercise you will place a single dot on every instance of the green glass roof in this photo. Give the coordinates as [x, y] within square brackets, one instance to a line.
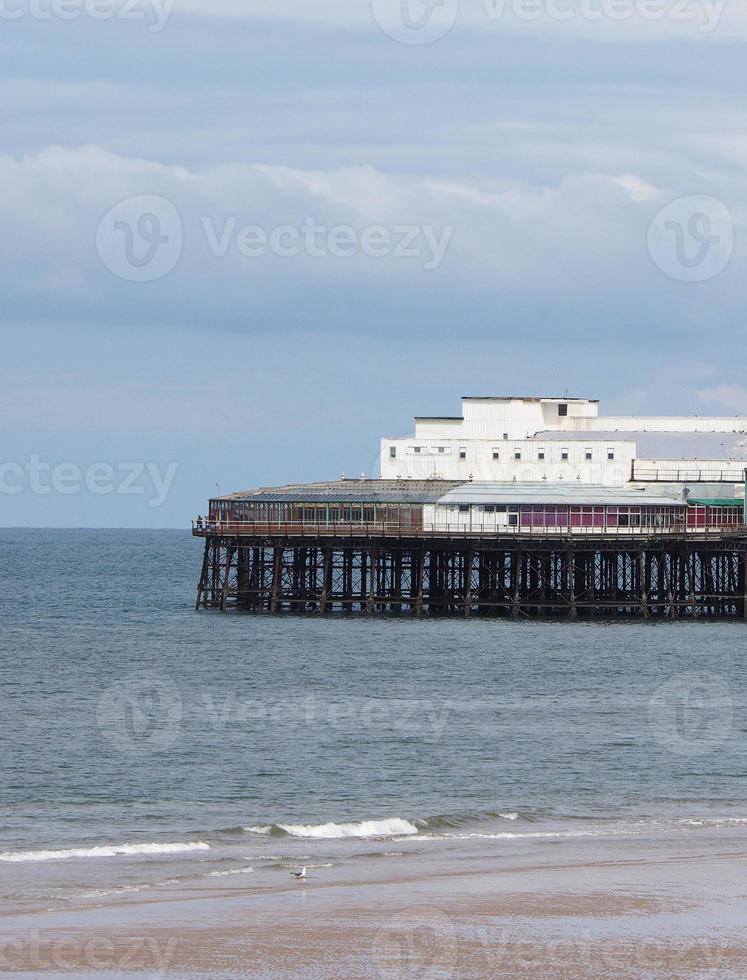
[716, 502]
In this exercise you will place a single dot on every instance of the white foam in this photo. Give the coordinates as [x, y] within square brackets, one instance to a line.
[258, 830]
[716, 822]
[531, 835]
[394, 827]
[226, 874]
[104, 851]
[509, 816]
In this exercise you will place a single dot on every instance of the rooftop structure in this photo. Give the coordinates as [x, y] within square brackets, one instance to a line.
[345, 491]
[480, 508]
[534, 439]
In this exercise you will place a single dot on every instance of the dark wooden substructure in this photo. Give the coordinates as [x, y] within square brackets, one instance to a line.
[357, 570]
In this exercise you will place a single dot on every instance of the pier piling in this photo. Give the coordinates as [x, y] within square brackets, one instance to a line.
[662, 576]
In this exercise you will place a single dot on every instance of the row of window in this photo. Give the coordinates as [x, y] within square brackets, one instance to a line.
[518, 453]
[542, 455]
[563, 515]
[708, 516]
[563, 509]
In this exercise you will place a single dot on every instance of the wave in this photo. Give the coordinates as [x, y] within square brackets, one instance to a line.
[103, 851]
[715, 822]
[617, 829]
[457, 821]
[227, 874]
[394, 827]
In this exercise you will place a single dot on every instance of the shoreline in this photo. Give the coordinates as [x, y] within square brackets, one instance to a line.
[651, 911]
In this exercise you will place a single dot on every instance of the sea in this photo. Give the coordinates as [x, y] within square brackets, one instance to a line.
[145, 746]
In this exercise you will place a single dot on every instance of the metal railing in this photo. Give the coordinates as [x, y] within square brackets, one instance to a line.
[690, 475]
[314, 529]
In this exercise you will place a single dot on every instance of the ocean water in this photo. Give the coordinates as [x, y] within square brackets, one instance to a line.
[146, 746]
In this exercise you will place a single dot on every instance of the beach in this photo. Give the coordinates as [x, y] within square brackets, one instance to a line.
[664, 908]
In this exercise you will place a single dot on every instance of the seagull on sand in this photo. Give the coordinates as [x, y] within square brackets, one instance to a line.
[299, 875]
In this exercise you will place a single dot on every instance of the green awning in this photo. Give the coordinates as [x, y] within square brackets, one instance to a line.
[716, 501]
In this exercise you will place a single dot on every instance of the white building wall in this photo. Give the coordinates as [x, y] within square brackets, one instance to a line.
[438, 428]
[508, 460]
[518, 418]
[464, 448]
[450, 517]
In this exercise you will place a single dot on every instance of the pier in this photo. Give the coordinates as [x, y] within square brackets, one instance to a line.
[379, 569]
[520, 506]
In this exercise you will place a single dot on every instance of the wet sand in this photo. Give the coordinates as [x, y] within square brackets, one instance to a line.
[674, 911]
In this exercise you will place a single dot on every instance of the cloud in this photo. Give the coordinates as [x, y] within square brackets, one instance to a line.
[609, 20]
[492, 247]
[731, 396]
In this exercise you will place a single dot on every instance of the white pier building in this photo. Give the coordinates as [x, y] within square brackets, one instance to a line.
[563, 440]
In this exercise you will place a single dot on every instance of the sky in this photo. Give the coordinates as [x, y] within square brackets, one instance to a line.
[245, 239]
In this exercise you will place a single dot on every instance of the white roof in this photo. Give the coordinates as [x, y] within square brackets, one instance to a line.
[663, 445]
[555, 493]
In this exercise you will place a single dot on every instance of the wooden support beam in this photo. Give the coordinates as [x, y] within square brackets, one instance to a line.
[202, 585]
[277, 580]
[517, 561]
[643, 583]
[469, 560]
[327, 586]
[230, 551]
[571, 580]
[419, 563]
[373, 581]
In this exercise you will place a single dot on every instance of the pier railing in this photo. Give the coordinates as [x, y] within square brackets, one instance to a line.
[313, 529]
[691, 474]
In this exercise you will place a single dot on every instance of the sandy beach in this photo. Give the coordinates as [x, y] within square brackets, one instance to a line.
[674, 910]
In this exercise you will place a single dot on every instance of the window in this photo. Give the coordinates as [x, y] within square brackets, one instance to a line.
[564, 455]
[505, 436]
[417, 449]
[496, 454]
[589, 455]
[513, 520]
[462, 453]
[541, 455]
[517, 454]
[489, 508]
[392, 452]
[610, 454]
[464, 508]
[562, 410]
[442, 449]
